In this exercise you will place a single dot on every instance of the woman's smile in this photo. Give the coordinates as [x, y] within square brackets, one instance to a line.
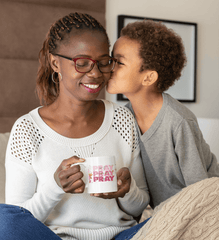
[92, 87]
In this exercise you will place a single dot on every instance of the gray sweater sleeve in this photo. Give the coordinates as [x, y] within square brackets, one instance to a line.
[195, 158]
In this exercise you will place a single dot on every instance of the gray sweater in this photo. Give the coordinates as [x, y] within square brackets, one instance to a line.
[174, 152]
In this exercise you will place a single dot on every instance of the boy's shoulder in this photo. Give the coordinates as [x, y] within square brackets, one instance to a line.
[129, 107]
[178, 109]
[173, 108]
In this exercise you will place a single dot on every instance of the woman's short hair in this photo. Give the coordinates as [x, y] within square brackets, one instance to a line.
[161, 50]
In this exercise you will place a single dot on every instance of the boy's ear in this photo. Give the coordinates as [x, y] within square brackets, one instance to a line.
[150, 78]
[54, 62]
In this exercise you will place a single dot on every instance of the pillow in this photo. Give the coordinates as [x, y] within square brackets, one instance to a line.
[3, 145]
[193, 213]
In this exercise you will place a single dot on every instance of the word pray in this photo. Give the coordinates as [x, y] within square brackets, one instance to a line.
[101, 173]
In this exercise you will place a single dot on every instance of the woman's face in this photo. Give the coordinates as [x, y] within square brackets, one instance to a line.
[82, 86]
[126, 77]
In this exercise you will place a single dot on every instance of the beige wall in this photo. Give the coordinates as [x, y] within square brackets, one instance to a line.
[202, 12]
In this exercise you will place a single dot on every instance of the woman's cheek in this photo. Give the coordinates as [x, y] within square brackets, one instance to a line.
[107, 76]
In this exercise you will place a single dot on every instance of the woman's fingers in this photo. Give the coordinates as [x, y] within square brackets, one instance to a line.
[68, 176]
[66, 173]
[75, 187]
[67, 163]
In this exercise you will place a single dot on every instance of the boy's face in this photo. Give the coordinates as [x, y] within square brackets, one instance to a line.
[126, 77]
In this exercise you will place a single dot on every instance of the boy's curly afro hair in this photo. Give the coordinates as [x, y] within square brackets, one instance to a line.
[161, 50]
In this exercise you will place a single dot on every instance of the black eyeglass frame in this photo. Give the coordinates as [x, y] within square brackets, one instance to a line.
[92, 66]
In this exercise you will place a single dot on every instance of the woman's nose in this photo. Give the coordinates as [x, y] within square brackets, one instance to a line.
[95, 72]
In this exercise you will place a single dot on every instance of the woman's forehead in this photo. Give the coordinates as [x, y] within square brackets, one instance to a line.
[92, 35]
[87, 42]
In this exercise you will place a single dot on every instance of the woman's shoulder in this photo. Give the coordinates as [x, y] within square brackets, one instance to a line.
[25, 127]
[25, 138]
[119, 109]
[122, 116]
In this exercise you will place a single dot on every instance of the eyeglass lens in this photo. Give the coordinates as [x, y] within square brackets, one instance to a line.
[86, 65]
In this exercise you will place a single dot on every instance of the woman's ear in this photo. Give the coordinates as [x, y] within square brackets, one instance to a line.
[54, 62]
[150, 78]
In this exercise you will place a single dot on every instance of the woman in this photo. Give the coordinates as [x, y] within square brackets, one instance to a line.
[70, 126]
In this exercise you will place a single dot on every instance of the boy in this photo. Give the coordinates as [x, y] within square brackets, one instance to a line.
[150, 58]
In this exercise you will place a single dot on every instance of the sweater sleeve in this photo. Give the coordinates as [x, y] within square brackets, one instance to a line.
[22, 183]
[137, 199]
[195, 158]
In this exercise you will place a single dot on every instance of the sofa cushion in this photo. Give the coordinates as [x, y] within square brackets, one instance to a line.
[3, 144]
[209, 128]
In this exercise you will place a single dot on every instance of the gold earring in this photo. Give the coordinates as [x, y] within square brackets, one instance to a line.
[60, 76]
[52, 77]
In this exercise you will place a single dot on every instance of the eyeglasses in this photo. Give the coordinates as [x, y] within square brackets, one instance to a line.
[85, 65]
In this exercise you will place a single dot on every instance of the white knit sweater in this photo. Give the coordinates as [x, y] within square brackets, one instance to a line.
[34, 153]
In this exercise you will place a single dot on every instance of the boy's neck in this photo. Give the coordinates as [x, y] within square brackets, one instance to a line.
[146, 108]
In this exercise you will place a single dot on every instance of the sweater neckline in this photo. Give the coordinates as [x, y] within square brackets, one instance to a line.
[157, 120]
[144, 137]
[76, 142]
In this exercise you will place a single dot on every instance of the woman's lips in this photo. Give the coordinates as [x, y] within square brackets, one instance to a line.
[92, 88]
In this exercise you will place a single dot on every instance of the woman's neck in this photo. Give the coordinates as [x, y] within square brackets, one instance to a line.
[74, 111]
[74, 120]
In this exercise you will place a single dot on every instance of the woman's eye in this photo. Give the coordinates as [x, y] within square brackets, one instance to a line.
[120, 63]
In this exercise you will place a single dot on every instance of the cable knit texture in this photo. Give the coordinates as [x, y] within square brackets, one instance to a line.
[191, 214]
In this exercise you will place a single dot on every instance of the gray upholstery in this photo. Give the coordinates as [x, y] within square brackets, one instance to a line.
[3, 144]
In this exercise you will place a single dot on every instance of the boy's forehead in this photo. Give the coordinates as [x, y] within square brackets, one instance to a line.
[124, 46]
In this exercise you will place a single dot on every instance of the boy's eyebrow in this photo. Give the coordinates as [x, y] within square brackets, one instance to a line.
[120, 56]
[88, 56]
[117, 55]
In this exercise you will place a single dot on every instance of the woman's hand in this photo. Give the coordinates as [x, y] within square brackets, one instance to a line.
[69, 177]
[123, 182]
